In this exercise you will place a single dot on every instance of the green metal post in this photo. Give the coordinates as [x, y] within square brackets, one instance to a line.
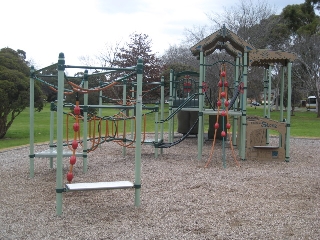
[281, 93]
[31, 126]
[162, 112]
[171, 132]
[265, 87]
[100, 102]
[132, 111]
[137, 181]
[281, 103]
[85, 123]
[235, 118]
[59, 177]
[52, 106]
[156, 130]
[289, 65]
[200, 132]
[124, 103]
[244, 108]
[269, 102]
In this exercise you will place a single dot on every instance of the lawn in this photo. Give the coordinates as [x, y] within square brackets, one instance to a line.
[303, 124]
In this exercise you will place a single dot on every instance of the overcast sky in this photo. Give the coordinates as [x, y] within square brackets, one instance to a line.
[44, 28]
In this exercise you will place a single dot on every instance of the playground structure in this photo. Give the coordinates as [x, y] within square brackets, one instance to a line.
[186, 97]
[245, 56]
[59, 152]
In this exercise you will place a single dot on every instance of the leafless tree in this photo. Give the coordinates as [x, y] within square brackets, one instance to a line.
[307, 68]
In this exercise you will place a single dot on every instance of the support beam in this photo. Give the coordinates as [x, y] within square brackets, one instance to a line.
[59, 176]
[289, 65]
[200, 123]
[137, 182]
[31, 125]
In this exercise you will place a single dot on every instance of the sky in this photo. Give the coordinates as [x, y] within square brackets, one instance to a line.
[44, 28]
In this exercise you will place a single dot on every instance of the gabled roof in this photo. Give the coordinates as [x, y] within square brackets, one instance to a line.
[224, 36]
[236, 46]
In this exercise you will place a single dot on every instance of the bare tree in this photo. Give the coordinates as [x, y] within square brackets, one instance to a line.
[307, 69]
[242, 17]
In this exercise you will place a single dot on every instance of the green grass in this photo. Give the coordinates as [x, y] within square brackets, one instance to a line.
[303, 124]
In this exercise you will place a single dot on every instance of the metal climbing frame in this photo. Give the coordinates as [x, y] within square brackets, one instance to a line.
[59, 154]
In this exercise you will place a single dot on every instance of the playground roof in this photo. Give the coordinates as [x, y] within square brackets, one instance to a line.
[236, 46]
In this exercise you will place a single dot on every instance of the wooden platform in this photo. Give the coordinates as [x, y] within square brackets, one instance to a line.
[53, 153]
[99, 186]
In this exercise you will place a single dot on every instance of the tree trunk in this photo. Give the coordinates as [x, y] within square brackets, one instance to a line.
[3, 127]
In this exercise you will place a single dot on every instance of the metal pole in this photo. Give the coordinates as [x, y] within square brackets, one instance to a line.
[162, 112]
[269, 103]
[59, 177]
[170, 137]
[52, 109]
[289, 65]
[156, 130]
[235, 118]
[244, 108]
[200, 114]
[124, 103]
[265, 86]
[31, 126]
[281, 93]
[137, 182]
[85, 123]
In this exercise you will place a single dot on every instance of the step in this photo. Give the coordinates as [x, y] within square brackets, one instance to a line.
[53, 153]
[266, 147]
[99, 186]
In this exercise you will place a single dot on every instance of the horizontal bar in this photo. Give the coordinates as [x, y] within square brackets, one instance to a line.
[104, 68]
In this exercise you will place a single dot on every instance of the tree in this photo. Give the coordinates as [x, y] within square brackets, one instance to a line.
[128, 55]
[14, 87]
[241, 19]
[304, 26]
[301, 19]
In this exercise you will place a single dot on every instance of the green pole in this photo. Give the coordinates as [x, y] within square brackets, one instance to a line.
[170, 137]
[244, 108]
[85, 123]
[269, 102]
[235, 118]
[156, 130]
[265, 86]
[281, 93]
[59, 177]
[137, 182]
[31, 126]
[124, 103]
[132, 111]
[162, 111]
[200, 132]
[281, 103]
[100, 102]
[52, 106]
[289, 65]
